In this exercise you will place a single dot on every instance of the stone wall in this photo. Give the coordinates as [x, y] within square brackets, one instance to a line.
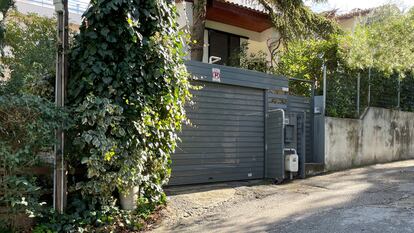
[380, 136]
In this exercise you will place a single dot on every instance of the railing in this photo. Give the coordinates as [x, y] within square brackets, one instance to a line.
[74, 6]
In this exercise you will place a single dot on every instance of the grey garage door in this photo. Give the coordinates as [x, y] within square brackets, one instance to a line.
[226, 139]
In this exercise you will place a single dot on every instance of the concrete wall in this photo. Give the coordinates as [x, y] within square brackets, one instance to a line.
[382, 135]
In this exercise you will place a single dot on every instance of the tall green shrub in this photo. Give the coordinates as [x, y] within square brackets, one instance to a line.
[127, 89]
[31, 43]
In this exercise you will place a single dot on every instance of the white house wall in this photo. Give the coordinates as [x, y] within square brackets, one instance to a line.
[257, 40]
[185, 12]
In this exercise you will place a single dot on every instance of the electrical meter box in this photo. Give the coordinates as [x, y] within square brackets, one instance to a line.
[292, 162]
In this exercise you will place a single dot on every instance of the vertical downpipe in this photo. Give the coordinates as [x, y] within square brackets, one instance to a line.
[266, 106]
[358, 90]
[399, 92]
[369, 87]
[324, 89]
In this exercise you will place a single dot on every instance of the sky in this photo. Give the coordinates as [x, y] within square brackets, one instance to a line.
[346, 5]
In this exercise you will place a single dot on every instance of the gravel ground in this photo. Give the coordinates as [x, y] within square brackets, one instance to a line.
[377, 198]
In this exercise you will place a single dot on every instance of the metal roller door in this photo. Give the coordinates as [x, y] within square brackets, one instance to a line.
[226, 139]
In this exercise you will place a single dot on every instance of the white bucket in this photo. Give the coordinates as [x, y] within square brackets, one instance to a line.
[129, 198]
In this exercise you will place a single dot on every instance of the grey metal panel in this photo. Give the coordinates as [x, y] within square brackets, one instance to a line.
[301, 146]
[275, 145]
[236, 76]
[319, 132]
[300, 104]
[225, 140]
[277, 101]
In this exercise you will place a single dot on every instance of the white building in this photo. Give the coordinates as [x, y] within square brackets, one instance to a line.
[45, 8]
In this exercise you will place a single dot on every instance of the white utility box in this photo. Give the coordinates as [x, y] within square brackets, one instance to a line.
[292, 162]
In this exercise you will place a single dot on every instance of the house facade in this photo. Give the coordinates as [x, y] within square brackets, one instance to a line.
[229, 24]
[348, 21]
[232, 23]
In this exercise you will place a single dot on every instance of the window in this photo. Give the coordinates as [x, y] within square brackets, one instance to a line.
[224, 45]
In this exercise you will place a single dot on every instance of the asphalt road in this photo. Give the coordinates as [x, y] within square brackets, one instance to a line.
[377, 198]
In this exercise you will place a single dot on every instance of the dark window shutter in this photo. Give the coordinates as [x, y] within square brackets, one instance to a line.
[223, 45]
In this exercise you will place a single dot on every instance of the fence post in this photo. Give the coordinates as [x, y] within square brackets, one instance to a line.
[59, 181]
[369, 87]
[399, 91]
[358, 87]
[324, 88]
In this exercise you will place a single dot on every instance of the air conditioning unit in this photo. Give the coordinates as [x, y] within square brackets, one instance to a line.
[291, 161]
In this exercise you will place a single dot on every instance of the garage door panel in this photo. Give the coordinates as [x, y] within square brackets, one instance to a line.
[182, 150]
[239, 173]
[196, 133]
[226, 139]
[224, 101]
[222, 128]
[214, 160]
[218, 138]
[224, 111]
[230, 89]
[229, 117]
[224, 107]
[220, 166]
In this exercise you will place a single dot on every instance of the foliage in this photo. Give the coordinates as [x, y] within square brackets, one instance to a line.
[407, 92]
[83, 216]
[384, 41]
[27, 124]
[251, 61]
[304, 60]
[295, 21]
[31, 41]
[127, 90]
[5, 5]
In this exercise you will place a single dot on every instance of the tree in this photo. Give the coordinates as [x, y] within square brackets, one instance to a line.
[294, 21]
[305, 58]
[197, 29]
[384, 41]
[31, 41]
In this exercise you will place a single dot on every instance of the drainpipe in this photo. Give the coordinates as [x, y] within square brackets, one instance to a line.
[324, 89]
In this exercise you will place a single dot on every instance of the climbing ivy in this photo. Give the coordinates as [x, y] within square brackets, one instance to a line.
[127, 89]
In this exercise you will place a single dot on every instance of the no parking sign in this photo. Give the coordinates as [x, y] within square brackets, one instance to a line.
[216, 74]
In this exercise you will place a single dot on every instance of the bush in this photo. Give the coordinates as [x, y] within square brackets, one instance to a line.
[253, 61]
[27, 125]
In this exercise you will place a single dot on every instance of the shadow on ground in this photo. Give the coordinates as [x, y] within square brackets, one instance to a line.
[378, 198]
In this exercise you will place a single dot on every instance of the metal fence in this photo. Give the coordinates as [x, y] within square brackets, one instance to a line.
[75, 6]
[349, 93]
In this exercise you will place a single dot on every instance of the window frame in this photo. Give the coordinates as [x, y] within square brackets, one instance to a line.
[228, 40]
